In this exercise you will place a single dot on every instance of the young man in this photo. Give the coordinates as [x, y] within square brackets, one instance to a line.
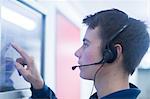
[113, 46]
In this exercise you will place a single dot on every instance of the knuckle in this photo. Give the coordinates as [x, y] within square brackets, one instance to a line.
[31, 60]
[28, 75]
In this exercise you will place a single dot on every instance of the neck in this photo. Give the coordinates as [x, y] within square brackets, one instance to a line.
[110, 82]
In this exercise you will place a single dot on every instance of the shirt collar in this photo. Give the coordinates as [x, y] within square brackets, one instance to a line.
[130, 93]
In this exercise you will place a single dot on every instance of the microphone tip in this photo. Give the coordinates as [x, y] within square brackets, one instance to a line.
[74, 67]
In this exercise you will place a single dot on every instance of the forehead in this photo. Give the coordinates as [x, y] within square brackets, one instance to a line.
[93, 35]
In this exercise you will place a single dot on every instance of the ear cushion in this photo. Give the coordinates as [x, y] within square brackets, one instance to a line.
[109, 54]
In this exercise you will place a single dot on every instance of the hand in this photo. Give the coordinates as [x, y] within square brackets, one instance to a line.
[30, 72]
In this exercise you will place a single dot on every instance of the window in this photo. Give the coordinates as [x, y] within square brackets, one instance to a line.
[23, 24]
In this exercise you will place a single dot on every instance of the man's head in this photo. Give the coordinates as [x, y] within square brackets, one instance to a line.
[133, 39]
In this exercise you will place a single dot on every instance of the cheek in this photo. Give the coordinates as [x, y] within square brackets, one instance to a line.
[91, 55]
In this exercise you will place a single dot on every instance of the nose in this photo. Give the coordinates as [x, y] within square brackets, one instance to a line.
[78, 53]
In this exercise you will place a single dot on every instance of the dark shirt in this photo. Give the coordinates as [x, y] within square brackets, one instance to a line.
[130, 93]
[44, 93]
[47, 93]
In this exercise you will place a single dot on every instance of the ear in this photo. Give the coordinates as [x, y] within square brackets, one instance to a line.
[119, 50]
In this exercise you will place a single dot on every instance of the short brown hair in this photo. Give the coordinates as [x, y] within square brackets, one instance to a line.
[134, 39]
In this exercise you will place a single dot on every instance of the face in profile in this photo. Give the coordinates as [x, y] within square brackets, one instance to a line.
[89, 52]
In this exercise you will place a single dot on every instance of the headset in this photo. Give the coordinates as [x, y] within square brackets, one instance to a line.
[110, 52]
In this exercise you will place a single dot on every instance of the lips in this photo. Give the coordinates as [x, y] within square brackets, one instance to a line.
[79, 63]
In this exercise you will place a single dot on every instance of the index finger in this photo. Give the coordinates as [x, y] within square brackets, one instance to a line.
[20, 51]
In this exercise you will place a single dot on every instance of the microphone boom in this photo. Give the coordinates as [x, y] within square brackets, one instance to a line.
[101, 62]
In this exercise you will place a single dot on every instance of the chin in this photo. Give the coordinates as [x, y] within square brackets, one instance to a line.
[85, 77]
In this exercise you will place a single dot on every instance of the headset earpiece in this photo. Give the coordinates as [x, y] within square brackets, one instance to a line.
[109, 54]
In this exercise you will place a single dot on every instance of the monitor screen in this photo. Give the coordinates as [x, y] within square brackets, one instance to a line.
[22, 25]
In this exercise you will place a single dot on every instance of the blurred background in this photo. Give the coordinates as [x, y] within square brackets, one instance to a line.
[51, 31]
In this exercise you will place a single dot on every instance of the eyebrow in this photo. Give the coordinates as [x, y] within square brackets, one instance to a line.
[86, 40]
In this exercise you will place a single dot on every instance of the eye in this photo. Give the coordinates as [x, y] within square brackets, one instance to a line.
[85, 45]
